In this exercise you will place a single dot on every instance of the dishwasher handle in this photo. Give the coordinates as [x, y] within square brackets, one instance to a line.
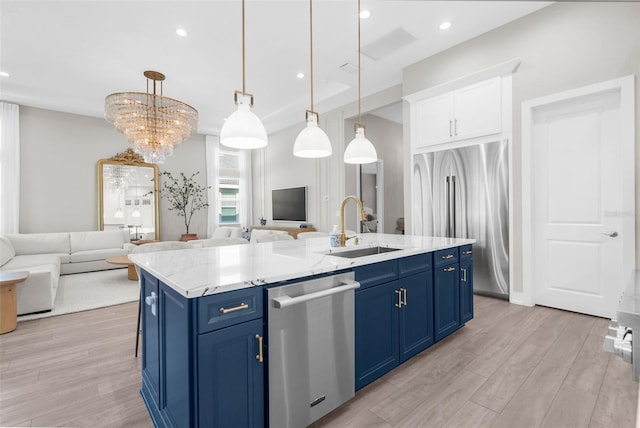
[285, 301]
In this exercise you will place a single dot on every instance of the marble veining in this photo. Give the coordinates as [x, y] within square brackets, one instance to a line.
[203, 271]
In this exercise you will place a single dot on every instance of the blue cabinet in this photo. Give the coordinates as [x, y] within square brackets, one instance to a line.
[394, 315]
[150, 340]
[446, 292]
[199, 365]
[466, 284]
[231, 376]
[416, 314]
[376, 331]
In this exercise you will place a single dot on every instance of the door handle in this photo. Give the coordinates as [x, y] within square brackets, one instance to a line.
[151, 301]
[611, 235]
[404, 296]
[259, 356]
[399, 293]
[450, 132]
[285, 301]
[464, 274]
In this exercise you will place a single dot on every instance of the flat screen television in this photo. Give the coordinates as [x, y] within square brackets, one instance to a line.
[289, 204]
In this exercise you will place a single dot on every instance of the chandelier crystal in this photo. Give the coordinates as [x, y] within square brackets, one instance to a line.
[152, 123]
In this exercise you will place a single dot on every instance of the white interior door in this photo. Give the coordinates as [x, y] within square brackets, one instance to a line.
[578, 225]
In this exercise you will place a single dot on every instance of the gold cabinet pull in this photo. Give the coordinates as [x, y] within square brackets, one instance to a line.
[237, 308]
[404, 296]
[466, 253]
[464, 274]
[447, 257]
[449, 269]
[399, 293]
[259, 356]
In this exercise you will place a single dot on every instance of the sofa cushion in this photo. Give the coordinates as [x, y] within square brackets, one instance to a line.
[28, 262]
[221, 232]
[40, 243]
[217, 242]
[93, 255]
[6, 250]
[96, 240]
[236, 232]
[257, 234]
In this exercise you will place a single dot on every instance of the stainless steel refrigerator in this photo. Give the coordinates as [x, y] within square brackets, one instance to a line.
[464, 193]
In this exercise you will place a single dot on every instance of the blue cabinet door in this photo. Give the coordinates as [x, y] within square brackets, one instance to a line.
[150, 340]
[376, 347]
[416, 314]
[446, 295]
[231, 377]
[466, 290]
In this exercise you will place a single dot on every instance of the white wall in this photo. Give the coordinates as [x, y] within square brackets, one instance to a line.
[59, 152]
[563, 46]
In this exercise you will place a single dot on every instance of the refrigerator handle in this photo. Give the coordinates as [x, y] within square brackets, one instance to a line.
[453, 206]
[448, 208]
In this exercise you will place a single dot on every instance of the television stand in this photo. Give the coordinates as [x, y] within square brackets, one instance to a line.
[293, 231]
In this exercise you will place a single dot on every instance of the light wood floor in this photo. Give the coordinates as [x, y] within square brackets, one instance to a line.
[511, 366]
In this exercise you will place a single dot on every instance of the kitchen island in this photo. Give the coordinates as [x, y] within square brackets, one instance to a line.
[204, 346]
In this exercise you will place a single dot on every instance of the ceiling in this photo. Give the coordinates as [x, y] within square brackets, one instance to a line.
[68, 55]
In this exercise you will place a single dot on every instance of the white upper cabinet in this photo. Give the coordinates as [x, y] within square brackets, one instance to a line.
[469, 112]
[476, 110]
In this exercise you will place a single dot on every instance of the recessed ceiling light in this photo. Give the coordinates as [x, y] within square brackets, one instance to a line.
[445, 25]
[181, 32]
[4, 74]
[300, 75]
[364, 14]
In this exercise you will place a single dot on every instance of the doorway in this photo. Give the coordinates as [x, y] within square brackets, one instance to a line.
[578, 198]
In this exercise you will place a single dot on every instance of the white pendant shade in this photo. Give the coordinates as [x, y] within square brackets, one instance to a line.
[118, 213]
[312, 141]
[135, 213]
[243, 129]
[360, 150]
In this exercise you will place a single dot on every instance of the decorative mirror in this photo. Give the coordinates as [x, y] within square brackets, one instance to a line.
[128, 196]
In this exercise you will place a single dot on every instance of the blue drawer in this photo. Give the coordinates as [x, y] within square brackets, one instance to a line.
[445, 257]
[466, 252]
[224, 309]
[414, 264]
[377, 273]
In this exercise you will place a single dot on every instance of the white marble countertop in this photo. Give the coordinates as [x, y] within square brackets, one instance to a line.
[202, 271]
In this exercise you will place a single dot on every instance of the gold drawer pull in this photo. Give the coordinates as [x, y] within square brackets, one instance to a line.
[259, 356]
[449, 269]
[237, 308]
[447, 257]
[404, 296]
[466, 253]
[399, 293]
[464, 274]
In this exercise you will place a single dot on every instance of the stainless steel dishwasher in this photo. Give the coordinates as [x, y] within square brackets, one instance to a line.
[311, 349]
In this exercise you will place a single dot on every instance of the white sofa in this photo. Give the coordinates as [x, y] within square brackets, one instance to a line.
[48, 255]
[223, 235]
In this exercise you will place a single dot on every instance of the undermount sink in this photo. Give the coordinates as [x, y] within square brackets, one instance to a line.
[361, 252]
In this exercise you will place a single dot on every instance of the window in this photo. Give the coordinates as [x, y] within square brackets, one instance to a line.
[229, 188]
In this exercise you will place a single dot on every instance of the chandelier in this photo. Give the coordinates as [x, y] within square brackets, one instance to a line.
[153, 123]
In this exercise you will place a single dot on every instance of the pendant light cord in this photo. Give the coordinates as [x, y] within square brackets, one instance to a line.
[358, 16]
[311, 48]
[244, 91]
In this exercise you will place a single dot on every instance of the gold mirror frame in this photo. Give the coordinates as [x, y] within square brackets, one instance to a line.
[128, 158]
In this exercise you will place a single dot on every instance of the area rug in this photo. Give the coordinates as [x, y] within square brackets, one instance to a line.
[85, 291]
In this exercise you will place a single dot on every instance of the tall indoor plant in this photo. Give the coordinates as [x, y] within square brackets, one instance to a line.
[186, 196]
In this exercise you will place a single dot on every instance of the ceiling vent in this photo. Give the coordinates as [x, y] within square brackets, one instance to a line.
[388, 44]
[347, 67]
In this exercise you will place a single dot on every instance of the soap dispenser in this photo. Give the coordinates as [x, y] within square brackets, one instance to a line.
[334, 237]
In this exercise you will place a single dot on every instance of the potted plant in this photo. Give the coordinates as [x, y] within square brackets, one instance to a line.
[186, 196]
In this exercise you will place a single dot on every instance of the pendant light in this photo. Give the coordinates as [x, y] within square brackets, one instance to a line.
[360, 150]
[243, 129]
[312, 141]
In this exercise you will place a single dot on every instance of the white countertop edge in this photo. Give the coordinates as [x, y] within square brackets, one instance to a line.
[329, 263]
